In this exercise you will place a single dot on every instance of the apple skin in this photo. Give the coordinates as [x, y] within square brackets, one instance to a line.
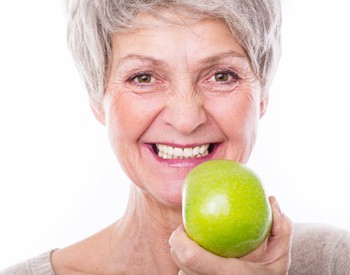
[225, 208]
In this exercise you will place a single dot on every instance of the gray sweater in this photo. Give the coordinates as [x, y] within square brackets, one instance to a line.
[316, 250]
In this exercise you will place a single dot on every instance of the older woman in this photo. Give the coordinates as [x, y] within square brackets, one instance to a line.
[177, 83]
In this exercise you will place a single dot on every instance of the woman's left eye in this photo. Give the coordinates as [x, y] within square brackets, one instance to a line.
[221, 76]
[144, 78]
[224, 76]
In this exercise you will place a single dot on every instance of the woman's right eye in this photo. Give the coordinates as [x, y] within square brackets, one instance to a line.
[145, 82]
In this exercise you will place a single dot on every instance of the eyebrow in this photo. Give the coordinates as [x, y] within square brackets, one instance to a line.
[159, 62]
[224, 55]
[143, 58]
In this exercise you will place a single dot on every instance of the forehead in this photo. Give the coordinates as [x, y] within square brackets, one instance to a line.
[175, 37]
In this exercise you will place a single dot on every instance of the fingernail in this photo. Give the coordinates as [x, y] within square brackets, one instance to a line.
[274, 202]
[278, 207]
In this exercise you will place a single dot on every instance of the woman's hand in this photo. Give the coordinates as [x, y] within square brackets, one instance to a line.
[272, 257]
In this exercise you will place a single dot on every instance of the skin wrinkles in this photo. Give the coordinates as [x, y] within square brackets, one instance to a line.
[134, 63]
[189, 109]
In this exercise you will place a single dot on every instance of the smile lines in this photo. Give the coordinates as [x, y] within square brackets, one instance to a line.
[170, 152]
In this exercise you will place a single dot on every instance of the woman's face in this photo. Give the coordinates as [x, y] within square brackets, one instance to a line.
[178, 95]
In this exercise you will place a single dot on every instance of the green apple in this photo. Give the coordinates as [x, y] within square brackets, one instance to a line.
[225, 208]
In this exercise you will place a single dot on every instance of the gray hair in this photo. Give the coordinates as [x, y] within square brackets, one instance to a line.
[91, 23]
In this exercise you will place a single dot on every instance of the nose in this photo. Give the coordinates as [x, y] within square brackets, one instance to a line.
[185, 113]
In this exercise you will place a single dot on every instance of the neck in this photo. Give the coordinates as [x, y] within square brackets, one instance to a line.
[144, 209]
[147, 226]
[135, 244]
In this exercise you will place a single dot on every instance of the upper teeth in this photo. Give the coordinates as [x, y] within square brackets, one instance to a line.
[168, 152]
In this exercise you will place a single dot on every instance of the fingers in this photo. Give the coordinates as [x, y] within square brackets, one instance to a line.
[193, 259]
[185, 252]
[273, 257]
[282, 227]
[280, 239]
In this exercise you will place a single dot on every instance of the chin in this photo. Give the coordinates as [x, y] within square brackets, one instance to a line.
[170, 195]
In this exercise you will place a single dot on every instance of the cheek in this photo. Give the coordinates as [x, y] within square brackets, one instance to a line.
[240, 123]
[128, 116]
[238, 114]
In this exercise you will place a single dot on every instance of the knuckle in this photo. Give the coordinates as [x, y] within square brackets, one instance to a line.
[190, 259]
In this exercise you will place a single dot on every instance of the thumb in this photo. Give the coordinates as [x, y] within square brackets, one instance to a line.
[193, 259]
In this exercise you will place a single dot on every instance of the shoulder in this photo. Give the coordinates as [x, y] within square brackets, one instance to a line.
[320, 249]
[40, 265]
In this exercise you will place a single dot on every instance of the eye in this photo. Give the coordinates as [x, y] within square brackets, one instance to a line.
[221, 80]
[224, 76]
[221, 76]
[145, 82]
[142, 78]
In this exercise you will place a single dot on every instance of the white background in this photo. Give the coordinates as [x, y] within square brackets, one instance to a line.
[59, 181]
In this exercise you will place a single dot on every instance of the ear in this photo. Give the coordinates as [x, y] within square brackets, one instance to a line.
[263, 104]
[98, 111]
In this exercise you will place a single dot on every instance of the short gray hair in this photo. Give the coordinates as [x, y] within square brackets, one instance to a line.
[91, 23]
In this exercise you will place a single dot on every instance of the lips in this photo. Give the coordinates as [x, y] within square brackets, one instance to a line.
[171, 152]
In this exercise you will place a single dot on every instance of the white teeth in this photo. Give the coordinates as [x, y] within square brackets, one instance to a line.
[169, 152]
[203, 148]
[178, 152]
[195, 150]
[187, 152]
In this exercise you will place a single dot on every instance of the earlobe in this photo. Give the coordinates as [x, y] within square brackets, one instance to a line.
[263, 104]
[98, 111]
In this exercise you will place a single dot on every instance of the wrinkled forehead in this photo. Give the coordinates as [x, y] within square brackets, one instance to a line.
[174, 15]
[130, 18]
[162, 33]
[177, 20]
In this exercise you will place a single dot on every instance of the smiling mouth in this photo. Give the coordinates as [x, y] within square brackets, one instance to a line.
[170, 152]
